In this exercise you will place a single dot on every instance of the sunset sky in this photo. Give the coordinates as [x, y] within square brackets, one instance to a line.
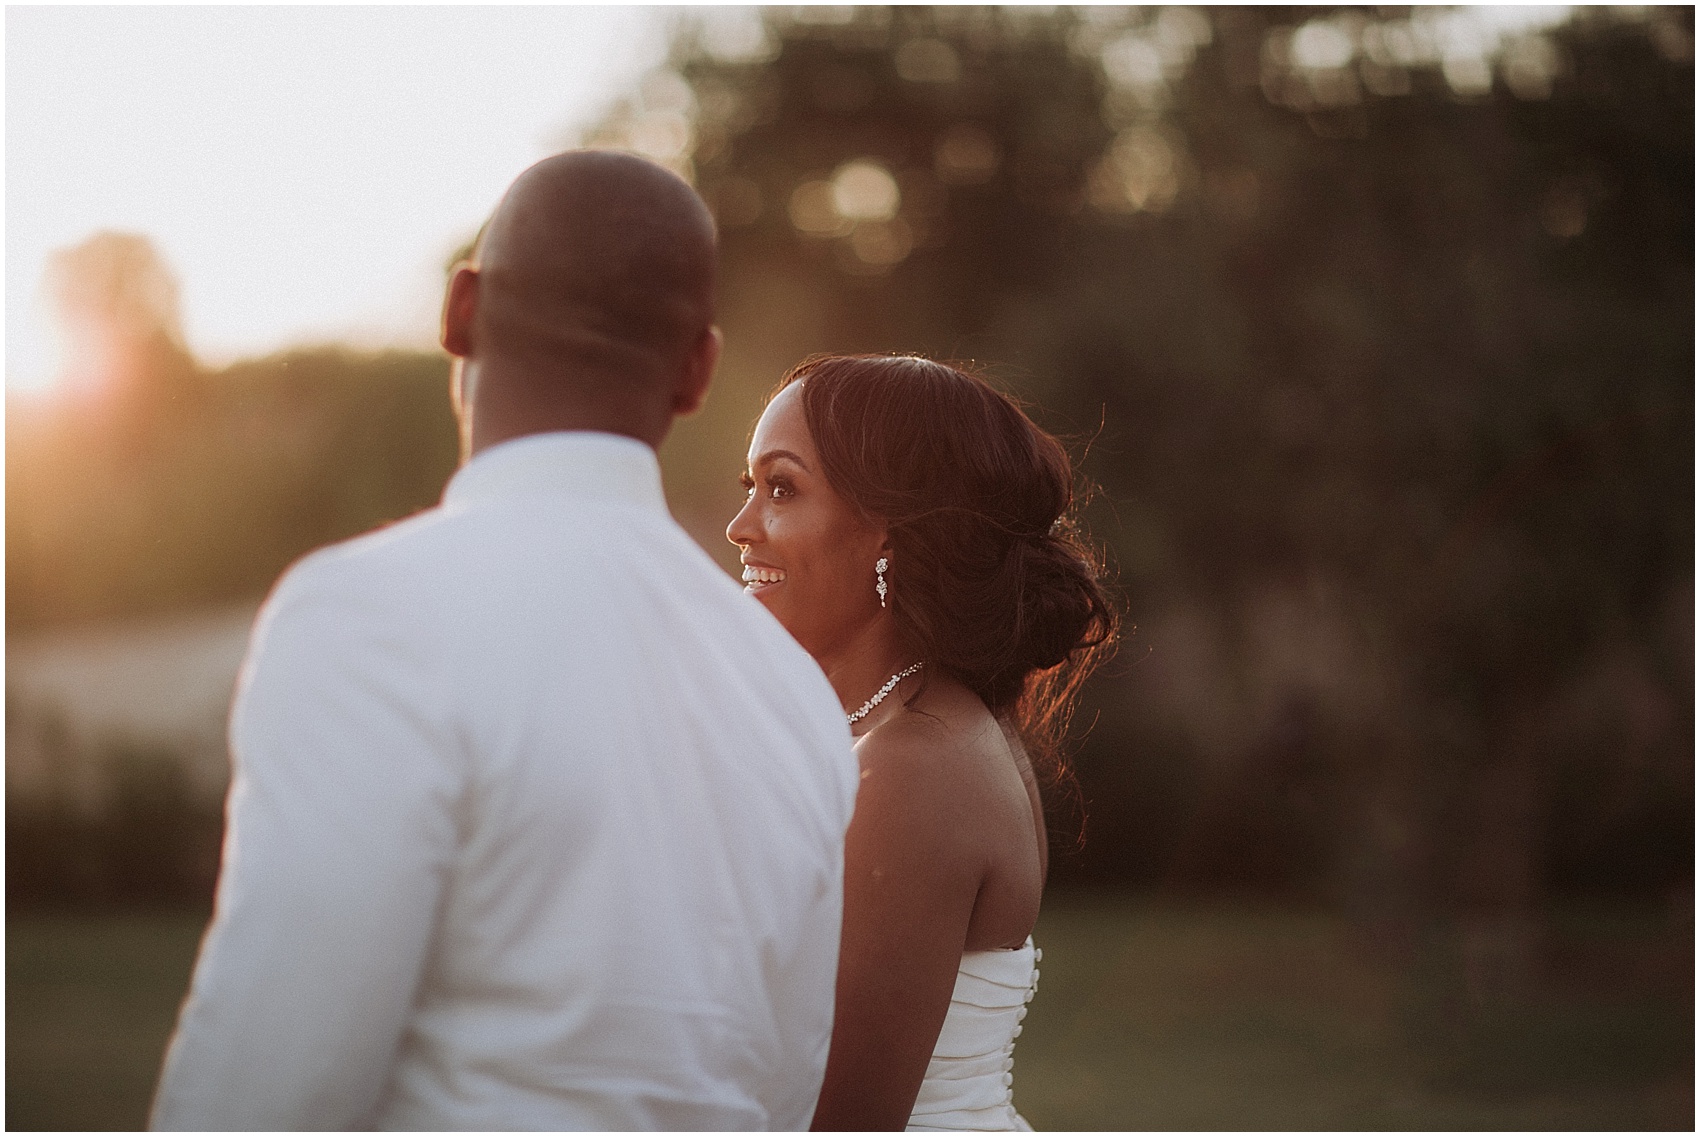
[305, 171]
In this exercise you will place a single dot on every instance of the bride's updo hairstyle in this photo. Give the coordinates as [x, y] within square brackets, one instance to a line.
[990, 582]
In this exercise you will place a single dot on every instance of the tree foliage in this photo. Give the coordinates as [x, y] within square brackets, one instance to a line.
[1385, 370]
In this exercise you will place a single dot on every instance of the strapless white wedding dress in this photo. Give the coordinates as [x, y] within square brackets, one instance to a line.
[970, 1080]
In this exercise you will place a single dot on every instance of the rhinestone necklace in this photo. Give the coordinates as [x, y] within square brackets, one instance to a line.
[879, 696]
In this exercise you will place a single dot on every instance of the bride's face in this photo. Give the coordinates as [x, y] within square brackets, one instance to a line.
[807, 553]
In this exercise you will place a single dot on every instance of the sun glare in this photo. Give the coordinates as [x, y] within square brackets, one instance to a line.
[304, 172]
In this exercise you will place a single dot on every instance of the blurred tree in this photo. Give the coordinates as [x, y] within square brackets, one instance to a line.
[1379, 322]
[114, 302]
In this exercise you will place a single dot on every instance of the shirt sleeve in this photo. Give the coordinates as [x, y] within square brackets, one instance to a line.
[340, 832]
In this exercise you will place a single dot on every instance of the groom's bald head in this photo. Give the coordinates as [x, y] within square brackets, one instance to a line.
[592, 293]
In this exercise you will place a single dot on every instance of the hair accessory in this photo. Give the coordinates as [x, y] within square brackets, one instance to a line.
[879, 579]
[879, 696]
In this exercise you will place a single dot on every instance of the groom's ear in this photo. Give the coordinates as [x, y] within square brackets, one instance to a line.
[692, 389]
[460, 309]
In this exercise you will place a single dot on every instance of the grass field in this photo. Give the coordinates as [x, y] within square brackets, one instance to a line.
[1149, 1016]
[90, 1001]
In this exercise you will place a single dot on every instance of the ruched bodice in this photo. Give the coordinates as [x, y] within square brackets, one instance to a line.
[970, 1079]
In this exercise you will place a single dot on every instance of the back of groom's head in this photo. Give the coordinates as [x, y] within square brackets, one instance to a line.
[590, 304]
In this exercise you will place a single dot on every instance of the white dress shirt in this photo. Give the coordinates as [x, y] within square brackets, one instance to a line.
[536, 823]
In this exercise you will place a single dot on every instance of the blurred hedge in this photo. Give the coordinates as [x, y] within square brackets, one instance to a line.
[197, 487]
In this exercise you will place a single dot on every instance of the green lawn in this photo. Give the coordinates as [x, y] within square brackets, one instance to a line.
[90, 1001]
[1149, 1016]
[1232, 1018]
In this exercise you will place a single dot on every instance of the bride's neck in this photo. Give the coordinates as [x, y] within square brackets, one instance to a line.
[863, 663]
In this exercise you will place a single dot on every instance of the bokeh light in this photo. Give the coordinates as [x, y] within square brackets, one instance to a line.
[965, 155]
[864, 190]
[927, 61]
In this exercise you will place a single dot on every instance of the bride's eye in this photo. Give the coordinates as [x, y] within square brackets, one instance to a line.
[780, 488]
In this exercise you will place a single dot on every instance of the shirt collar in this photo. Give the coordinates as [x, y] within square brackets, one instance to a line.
[578, 465]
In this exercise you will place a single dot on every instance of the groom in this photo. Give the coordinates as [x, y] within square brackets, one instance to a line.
[536, 821]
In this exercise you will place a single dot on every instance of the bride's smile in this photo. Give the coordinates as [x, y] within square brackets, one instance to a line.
[758, 578]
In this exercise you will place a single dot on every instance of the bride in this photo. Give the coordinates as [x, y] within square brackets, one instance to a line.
[906, 523]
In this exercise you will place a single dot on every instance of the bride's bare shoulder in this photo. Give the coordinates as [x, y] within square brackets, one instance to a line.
[942, 744]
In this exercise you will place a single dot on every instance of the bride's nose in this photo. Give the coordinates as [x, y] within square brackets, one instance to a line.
[743, 529]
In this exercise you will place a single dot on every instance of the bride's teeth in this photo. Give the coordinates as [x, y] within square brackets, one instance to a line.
[753, 575]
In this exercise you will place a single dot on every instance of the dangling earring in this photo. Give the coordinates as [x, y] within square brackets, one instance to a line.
[879, 579]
